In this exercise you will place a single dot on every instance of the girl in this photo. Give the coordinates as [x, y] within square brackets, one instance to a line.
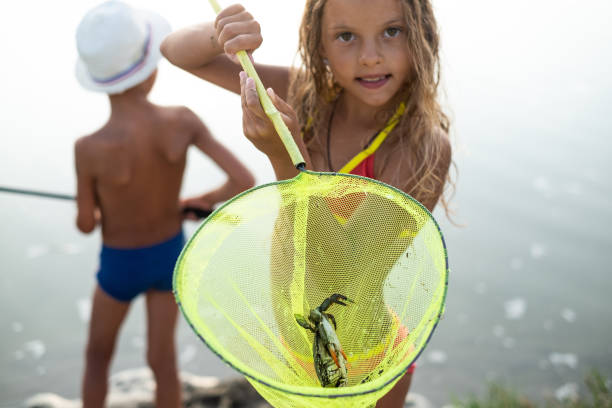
[368, 85]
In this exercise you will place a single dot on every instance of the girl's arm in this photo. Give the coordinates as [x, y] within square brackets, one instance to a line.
[440, 170]
[239, 178]
[437, 172]
[208, 50]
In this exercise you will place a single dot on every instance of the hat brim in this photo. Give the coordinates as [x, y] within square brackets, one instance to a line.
[160, 28]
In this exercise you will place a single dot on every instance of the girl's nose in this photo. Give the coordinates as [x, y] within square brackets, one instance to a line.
[370, 54]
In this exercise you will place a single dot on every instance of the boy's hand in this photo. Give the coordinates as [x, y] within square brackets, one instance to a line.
[196, 208]
[237, 30]
[257, 127]
[195, 214]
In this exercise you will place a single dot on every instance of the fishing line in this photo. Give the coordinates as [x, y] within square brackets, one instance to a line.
[198, 212]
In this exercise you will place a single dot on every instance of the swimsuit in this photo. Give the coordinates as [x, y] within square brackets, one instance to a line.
[126, 273]
[363, 163]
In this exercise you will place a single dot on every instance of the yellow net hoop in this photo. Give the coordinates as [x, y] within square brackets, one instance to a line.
[281, 249]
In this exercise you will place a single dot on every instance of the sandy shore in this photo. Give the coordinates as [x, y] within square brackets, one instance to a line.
[135, 389]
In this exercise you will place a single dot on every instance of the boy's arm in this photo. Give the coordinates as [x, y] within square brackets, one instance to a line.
[208, 50]
[239, 178]
[85, 198]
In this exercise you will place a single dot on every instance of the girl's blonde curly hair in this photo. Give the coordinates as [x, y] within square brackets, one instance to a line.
[422, 133]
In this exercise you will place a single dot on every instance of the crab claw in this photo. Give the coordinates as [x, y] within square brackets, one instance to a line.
[302, 322]
[335, 298]
[345, 300]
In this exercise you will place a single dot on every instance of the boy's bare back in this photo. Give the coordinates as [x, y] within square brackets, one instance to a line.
[132, 170]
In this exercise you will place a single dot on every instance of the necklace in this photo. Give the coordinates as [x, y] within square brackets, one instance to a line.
[329, 125]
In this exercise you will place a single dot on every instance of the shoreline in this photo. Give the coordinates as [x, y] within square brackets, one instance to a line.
[135, 388]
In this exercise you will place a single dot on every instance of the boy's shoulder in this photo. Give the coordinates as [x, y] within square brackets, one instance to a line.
[178, 116]
[87, 149]
[171, 120]
[88, 143]
[155, 115]
[179, 112]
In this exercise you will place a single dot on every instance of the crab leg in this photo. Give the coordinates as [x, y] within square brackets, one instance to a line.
[332, 353]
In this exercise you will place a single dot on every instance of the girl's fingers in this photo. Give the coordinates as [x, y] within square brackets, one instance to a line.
[281, 105]
[242, 76]
[243, 93]
[252, 101]
[237, 30]
[231, 15]
[228, 12]
[231, 29]
[254, 120]
[250, 55]
[255, 123]
[255, 128]
[232, 43]
[286, 111]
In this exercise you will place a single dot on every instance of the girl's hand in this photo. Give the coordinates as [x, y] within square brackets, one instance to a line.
[236, 31]
[257, 127]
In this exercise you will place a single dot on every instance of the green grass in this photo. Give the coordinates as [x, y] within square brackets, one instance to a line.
[599, 396]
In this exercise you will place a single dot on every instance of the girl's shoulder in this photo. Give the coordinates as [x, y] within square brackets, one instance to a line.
[442, 139]
[436, 141]
[418, 166]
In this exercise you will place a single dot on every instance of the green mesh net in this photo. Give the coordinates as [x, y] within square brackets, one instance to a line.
[281, 249]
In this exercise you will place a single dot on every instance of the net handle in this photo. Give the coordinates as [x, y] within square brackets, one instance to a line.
[268, 106]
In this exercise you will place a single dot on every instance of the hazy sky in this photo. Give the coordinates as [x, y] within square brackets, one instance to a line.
[526, 52]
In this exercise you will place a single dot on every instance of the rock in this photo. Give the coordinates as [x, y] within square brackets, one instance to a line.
[136, 389]
[240, 393]
[195, 387]
[49, 400]
[131, 389]
[417, 401]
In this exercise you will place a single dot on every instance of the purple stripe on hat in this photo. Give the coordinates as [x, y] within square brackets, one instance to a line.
[135, 67]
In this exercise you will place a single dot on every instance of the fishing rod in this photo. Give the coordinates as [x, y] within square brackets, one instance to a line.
[37, 193]
[198, 212]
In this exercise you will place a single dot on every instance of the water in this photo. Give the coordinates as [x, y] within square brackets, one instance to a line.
[529, 91]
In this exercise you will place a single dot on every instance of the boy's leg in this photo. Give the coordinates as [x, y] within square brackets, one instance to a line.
[397, 396]
[107, 314]
[162, 314]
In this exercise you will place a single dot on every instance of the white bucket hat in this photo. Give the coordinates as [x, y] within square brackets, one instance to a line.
[118, 46]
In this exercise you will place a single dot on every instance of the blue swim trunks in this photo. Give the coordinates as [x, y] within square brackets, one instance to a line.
[126, 273]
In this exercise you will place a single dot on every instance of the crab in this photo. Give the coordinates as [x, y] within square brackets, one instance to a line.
[330, 361]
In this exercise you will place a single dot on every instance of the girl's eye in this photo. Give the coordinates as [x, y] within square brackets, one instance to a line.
[392, 32]
[345, 36]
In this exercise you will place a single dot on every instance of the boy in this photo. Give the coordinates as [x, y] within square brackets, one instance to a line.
[129, 176]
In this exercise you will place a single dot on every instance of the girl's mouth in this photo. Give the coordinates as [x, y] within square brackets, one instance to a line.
[373, 82]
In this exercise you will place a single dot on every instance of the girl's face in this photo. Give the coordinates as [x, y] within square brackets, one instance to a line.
[365, 42]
